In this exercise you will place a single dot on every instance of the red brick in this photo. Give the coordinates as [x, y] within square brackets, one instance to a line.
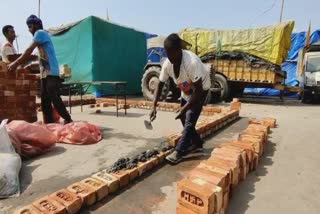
[48, 205]
[227, 174]
[112, 181]
[257, 133]
[142, 167]
[69, 200]
[257, 142]
[183, 210]
[30, 209]
[263, 128]
[3, 67]
[271, 122]
[86, 193]
[99, 187]
[210, 176]
[161, 156]
[233, 152]
[199, 195]
[9, 93]
[226, 197]
[122, 176]
[225, 164]
[133, 173]
[226, 156]
[235, 105]
[249, 148]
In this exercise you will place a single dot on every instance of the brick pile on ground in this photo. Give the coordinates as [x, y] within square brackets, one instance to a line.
[208, 187]
[18, 92]
[123, 172]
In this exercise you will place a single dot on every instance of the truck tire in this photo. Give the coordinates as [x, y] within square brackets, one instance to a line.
[220, 82]
[149, 82]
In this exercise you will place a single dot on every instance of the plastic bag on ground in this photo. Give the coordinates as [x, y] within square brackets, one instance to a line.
[79, 132]
[10, 165]
[30, 139]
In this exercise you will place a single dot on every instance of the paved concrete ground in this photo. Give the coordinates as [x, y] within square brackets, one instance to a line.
[65, 164]
[287, 180]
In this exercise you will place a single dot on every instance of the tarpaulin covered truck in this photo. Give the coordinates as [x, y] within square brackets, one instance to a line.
[239, 58]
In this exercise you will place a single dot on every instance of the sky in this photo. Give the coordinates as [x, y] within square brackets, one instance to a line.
[161, 17]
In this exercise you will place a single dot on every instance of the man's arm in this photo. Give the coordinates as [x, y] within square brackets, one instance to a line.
[157, 94]
[24, 57]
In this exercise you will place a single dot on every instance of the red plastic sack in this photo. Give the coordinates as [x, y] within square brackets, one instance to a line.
[76, 133]
[30, 139]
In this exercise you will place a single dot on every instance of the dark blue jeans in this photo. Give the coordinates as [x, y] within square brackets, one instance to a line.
[189, 121]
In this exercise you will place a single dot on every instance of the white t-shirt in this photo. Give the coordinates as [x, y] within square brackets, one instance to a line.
[6, 50]
[191, 70]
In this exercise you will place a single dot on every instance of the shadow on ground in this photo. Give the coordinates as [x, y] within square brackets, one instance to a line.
[239, 203]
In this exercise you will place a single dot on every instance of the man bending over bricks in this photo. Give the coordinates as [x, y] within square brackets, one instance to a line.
[49, 70]
[193, 78]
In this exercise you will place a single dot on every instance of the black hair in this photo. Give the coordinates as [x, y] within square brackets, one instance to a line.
[173, 41]
[5, 29]
[34, 20]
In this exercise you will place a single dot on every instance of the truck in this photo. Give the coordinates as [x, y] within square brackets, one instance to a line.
[233, 68]
[308, 70]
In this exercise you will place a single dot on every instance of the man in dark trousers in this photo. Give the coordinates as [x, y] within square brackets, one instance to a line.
[193, 79]
[49, 70]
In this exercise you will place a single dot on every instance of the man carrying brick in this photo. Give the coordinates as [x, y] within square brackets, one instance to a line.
[193, 78]
[8, 51]
[49, 70]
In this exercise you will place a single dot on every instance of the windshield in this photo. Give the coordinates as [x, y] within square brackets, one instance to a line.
[313, 63]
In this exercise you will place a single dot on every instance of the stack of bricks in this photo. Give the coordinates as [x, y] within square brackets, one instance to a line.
[18, 92]
[162, 106]
[208, 187]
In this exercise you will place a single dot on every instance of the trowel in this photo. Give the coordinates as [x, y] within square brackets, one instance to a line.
[148, 124]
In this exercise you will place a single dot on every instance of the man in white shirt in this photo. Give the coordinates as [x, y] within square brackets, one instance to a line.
[8, 52]
[193, 78]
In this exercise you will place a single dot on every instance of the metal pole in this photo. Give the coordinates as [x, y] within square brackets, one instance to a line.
[39, 9]
[281, 12]
[17, 44]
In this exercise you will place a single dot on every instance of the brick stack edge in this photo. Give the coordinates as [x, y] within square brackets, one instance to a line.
[208, 187]
[18, 92]
[101, 184]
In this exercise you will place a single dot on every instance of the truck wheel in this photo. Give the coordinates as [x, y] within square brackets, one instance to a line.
[220, 82]
[149, 83]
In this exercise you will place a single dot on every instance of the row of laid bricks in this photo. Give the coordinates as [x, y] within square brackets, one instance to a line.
[162, 106]
[88, 191]
[208, 126]
[208, 187]
[18, 92]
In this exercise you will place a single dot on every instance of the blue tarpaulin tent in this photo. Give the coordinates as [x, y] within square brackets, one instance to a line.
[290, 65]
